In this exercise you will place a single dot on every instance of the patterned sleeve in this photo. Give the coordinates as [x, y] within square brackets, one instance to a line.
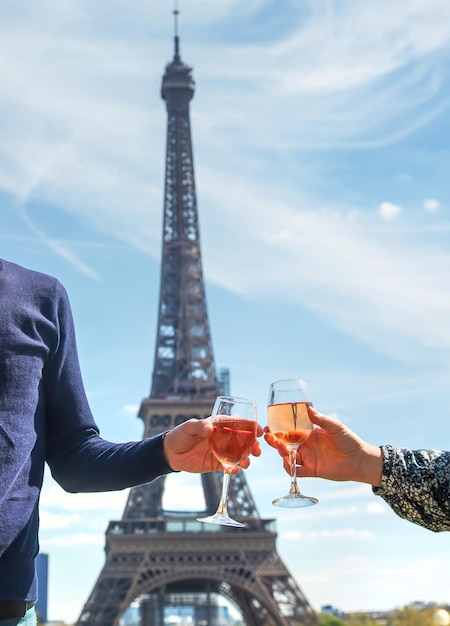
[416, 485]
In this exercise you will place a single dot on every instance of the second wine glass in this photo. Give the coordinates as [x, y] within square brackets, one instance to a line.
[288, 420]
[234, 435]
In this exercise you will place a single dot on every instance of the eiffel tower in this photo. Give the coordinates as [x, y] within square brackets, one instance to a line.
[163, 558]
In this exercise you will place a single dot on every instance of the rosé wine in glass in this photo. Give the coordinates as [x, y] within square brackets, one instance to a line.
[235, 426]
[288, 421]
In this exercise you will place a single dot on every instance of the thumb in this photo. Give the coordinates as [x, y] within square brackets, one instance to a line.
[196, 428]
[330, 424]
[185, 437]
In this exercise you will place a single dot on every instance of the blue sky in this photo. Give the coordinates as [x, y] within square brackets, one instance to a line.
[321, 154]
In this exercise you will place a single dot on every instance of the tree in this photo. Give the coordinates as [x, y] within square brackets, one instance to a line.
[410, 617]
[330, 620]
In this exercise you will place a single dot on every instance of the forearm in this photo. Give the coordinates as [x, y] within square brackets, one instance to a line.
[93, 464]
[416, 485]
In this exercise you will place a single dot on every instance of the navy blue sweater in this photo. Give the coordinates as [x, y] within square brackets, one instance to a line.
[45, 417]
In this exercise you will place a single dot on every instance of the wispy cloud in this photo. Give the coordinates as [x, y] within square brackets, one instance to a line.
[346, 77]
[58, 247]
[82, 116]
[362, 277]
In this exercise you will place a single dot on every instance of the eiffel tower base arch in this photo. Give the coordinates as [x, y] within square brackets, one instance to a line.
[240, 565]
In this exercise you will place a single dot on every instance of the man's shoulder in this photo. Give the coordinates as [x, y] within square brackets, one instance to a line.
[17, 279]
[18, 272]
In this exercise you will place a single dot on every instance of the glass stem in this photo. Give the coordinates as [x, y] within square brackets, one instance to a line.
[222, 508]
[294, 490]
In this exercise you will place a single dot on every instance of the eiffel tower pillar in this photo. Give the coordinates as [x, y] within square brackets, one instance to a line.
[166, 558]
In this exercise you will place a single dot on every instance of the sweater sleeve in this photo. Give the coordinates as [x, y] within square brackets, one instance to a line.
[79, 459]
[416, 485]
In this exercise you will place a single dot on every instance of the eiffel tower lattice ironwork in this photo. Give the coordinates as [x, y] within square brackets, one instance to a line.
[163, 558]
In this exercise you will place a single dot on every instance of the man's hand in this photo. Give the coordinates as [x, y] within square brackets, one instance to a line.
[186, 448]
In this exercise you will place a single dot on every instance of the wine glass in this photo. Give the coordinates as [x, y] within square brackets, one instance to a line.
[234, 435]
[288, 420]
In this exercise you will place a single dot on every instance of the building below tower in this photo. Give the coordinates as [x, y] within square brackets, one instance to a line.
[42, 576]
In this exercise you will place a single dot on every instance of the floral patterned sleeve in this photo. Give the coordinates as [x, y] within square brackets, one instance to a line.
[416, 485]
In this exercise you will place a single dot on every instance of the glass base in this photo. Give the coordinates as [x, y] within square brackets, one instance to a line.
[220, 518]
[295, 500]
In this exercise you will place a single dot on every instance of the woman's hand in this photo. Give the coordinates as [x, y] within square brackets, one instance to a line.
[333, 451]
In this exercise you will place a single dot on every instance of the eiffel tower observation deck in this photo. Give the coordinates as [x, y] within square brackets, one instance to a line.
[162, 559]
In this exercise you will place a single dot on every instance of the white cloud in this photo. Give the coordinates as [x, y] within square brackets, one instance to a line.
[183, 492]
[352, 534]
[343, 492]
[51, 521]
[431, 205]
[131, 409]
[377, 508]
[389, 211]
[72, 541]
[347, 510]
[54, 498]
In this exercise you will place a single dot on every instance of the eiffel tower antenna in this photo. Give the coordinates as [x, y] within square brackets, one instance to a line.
[177, 39]
[164, 558]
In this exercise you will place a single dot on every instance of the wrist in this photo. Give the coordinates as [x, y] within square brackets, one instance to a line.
[372, 465]
[166, 451]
